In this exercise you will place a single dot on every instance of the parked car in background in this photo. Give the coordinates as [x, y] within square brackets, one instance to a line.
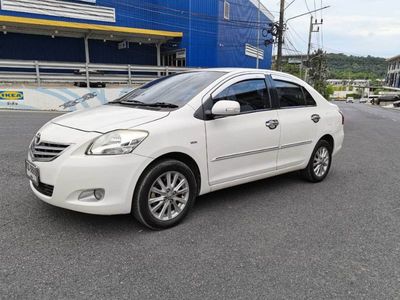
[363, 100]
[92, 73]
[350, 100]
[153, 151]
[396, 104]
[373, 100]
[387, 98]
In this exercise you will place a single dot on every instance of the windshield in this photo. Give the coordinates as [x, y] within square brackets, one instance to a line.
[175, 90]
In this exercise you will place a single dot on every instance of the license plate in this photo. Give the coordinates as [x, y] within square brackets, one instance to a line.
[32, 172]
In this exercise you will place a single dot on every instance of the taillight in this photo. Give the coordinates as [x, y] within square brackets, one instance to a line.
[342, 117]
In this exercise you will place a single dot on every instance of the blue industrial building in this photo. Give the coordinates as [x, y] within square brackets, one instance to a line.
[191, 33]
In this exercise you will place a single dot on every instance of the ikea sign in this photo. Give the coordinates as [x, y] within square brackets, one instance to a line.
[11, 95]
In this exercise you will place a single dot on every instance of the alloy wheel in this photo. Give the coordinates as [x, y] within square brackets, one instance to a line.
[321, 161]
[168, 196]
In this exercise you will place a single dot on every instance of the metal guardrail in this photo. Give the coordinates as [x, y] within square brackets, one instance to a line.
[39, 72]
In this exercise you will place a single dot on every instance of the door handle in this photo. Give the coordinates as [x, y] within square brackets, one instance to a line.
[315, 118]
[272, 124]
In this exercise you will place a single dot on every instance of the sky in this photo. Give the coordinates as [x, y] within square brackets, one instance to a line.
[353, 27]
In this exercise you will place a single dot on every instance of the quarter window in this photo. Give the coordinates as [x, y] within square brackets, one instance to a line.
[289, 94]
[309, 99]
[251, 94]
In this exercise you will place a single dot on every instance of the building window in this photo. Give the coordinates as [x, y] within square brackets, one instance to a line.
[227, 10]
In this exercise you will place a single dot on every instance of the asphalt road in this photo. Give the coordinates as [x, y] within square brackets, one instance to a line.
[280, 238]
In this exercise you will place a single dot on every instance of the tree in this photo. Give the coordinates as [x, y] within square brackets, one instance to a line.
[293, 69]
[329, 91]
[318, 71]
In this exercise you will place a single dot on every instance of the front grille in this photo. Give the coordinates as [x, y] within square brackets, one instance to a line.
[46, 151]
[44, 189]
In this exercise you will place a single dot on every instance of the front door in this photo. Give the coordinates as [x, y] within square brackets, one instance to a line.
[243, 145]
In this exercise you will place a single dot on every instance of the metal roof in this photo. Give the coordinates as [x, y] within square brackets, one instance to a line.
[393, 58]
[76, 29]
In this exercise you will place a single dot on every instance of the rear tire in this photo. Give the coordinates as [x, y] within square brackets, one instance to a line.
[164, 194]
[320, 162]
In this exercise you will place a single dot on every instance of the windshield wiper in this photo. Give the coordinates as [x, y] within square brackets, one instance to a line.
[140, 103]
[162, 104]
[135, 102]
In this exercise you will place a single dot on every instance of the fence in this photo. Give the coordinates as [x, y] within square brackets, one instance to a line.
[82, 74]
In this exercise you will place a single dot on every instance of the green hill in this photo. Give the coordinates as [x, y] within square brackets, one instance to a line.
[342, 66]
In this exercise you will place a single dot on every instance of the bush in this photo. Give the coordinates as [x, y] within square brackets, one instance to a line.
[354, 95]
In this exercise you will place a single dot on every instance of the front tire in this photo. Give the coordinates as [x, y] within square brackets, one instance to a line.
[320, 162]
[164, 194]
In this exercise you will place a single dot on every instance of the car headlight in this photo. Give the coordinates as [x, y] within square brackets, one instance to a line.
[117, 142]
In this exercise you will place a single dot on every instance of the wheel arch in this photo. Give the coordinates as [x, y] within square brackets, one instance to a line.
[179, 156]
[329, 138]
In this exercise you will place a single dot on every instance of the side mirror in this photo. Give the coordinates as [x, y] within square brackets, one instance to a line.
[226, 108]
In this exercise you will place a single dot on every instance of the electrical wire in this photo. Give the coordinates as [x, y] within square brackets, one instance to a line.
[160, 9]
[315, 8]
[308, 8]
[204, 20]
[322, 27]
[290, 4]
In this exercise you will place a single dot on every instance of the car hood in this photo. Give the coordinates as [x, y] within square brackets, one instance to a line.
[109, 117]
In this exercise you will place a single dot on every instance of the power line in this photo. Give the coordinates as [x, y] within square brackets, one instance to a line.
[237, 23]
[293, 1]
[307, 13]
[291, 39]
[160, 9]
[322, 27]
[308, 8]
[315, 8]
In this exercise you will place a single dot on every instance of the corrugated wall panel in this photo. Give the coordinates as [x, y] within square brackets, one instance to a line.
[61, 9]
[241, 29]
[210, 40]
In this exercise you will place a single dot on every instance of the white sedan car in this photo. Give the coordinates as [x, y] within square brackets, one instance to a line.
[153, 151]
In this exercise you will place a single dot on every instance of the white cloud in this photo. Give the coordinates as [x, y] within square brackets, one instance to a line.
[359, 27]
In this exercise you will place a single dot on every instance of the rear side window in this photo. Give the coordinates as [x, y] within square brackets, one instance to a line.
[289, 94]
[309, 99]
[251, 94]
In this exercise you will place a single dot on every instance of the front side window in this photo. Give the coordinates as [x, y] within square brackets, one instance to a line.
[251, 94]
[289, 94]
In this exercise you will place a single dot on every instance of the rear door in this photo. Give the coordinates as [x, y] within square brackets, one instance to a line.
[299, 121]
[242, 146]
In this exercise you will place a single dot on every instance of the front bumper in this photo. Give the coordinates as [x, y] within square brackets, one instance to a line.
[116, 175]
[74, 172]
[338, 139]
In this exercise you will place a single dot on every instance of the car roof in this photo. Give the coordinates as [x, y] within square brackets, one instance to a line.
[232, 71]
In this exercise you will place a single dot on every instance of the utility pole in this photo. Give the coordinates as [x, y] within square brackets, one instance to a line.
[280, 36]
[312, 29]
[258, 34]
[309, 37]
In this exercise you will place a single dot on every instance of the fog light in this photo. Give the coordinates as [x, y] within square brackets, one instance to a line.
[91, 195]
